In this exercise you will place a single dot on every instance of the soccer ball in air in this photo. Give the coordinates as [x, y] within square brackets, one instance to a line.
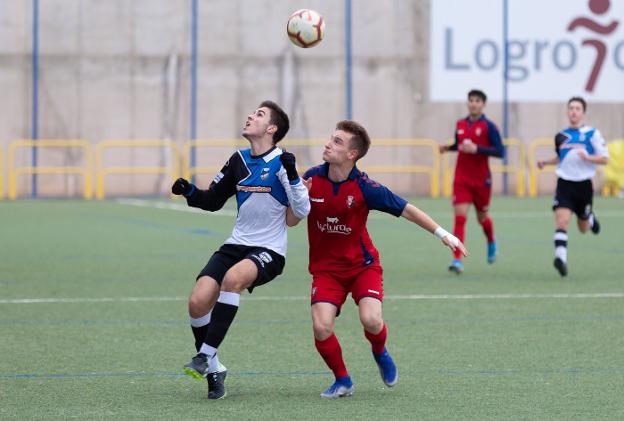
[305, 28]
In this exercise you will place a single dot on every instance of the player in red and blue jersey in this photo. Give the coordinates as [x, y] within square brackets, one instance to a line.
[476, 139]
[343, 259]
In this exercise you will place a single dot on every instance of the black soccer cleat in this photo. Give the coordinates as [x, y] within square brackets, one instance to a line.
[198, 367]
[595, 228]
[216, 384]
[561, 266]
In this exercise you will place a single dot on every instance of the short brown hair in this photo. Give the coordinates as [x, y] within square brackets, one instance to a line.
[479, 94]
[279, 118]
[580, 100]
[360, 140]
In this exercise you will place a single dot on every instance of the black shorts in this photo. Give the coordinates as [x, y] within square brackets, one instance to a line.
[270, 264]
[577, 196]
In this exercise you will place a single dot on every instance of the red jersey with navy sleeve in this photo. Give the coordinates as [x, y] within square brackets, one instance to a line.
[337, 231]
[473, 169]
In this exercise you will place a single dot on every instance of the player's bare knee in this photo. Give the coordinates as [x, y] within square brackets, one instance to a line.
[197, 304]
[372, 322]
[322, 330]
[232, 283]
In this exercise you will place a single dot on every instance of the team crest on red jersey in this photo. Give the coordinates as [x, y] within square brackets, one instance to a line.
[350, 201]
[478, 131]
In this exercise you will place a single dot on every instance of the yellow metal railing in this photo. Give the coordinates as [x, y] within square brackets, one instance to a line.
[102, 171]
[614, 170]
[189, 170]
[517, 168]
[532, 163]
[522, 162]
[432, 170]
[15, 171]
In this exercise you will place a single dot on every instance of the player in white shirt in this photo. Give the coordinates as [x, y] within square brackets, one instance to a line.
[269, 196]
[579, 149]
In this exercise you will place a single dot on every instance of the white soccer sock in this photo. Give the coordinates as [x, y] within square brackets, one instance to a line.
[591, 219]
[200, 321]
[213, 360]
[561, 245]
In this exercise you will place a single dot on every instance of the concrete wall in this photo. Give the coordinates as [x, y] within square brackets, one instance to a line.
[120, 69]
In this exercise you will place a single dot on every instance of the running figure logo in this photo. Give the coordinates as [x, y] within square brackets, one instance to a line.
[597, 7]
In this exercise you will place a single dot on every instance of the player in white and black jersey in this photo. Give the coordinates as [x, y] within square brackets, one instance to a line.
[270, 196]
[579, 149]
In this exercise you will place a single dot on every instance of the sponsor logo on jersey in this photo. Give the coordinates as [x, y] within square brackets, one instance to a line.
[350, 201]
[478, 131]
[572, 146]
[265, 173]
[253, 189]
[333, 226]
[460, 131]
[317, 199]
[218, 178]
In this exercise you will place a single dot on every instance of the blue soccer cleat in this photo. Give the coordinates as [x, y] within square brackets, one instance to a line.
[491, 252]
[341, 388]
[456, 266]
[387, 368]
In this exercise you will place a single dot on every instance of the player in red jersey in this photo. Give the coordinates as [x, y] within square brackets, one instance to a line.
[476, 139]
[343, 258]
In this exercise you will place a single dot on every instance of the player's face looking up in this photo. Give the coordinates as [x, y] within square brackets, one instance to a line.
[575, 113]
[475, 106]
[338, 150]
[258, 124]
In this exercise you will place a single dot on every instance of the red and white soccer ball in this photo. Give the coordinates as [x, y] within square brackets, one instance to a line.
[305, 28]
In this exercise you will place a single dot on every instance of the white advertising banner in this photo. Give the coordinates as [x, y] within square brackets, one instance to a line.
[556, 49]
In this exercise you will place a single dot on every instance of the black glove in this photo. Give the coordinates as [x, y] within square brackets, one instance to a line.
[181, 186]
[288, 161]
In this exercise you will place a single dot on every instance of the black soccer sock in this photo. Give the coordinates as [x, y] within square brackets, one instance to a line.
[222, 317]
[561, 244]
[199, 326]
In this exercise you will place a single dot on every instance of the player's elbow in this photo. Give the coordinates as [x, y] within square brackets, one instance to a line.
[292, 221]
[499, 152]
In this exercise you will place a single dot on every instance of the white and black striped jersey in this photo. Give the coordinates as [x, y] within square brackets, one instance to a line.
[263, 193]
[569, 142]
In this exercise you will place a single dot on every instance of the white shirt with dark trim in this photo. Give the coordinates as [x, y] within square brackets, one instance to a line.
[263, 193]
[569, 142]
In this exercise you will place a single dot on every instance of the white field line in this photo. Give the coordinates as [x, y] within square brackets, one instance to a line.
[182, 207]
[554, 296]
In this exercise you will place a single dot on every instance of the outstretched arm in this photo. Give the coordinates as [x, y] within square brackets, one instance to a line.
[415, 215]
[552, 161]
